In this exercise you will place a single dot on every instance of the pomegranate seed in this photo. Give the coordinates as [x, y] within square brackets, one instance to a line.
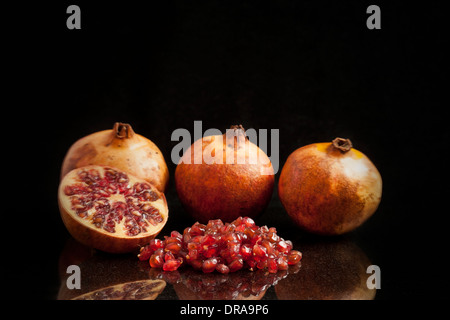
[248, 222]
[210, 251]
[146, 253]
[177, 235]
[282, 263]
[173, 247]
[246, 251]
[223, 247]
[155, 244]
[156, 261]
[294, 257]
[236, 265]
[222, 268]
[172, 265]
[272, 265]
[193, 254]
[196, 264]
[209, 265]
[169, 256]
[259, 252]
[269, 246]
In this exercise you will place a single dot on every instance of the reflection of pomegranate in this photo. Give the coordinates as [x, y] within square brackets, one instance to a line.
[224, 177]
[242, 285]
[329, 188]
[110, 210]
[111, 277]
[120, 148]
[330, 271]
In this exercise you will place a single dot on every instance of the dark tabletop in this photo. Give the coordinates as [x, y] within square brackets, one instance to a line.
[310, 69]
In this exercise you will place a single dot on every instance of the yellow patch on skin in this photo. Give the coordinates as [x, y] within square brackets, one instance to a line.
[357, 153]
[322, 147]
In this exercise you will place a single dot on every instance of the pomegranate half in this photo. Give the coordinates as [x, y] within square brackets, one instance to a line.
[120, 148]
[224, 177]
[329, 188]
[110, 210]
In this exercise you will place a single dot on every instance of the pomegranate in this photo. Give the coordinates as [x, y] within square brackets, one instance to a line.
[224, 177]
[110, 210]
[223, 248]
[120, 148]
[110, 277]
[329, 188]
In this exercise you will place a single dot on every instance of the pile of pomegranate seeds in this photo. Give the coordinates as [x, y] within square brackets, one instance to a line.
[223, 247]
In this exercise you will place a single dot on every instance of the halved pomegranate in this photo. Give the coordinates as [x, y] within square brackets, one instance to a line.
[110, 210]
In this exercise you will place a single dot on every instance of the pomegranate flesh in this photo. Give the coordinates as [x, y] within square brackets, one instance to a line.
[329, 188]
[110, 210]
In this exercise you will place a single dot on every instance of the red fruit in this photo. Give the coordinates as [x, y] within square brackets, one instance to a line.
[101, 208]
[120, 148]
[211, 188]
[329, 188]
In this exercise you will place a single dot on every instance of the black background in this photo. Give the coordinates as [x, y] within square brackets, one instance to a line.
[311, 69]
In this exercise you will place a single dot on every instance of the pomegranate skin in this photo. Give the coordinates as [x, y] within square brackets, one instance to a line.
[120, 148]
[210, 190]
[329, 190]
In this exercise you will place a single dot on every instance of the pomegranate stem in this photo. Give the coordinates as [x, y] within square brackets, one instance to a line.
[343, 145]
[123, 130]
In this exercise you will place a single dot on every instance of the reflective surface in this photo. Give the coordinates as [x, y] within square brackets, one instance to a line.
[332, 269]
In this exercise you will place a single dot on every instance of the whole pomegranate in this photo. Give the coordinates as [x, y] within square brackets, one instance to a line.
[110, 210]
[329, 188]
[123, 149]
[224, 177]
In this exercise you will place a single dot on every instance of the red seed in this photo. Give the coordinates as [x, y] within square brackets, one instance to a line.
[146, 253]
[259, 252]
[272, 265]
[246, 251]
[294, 257]
[222, 268]
[173, 247]
[223, 247]
[209, 265]
[172, 265]
[155, 244]
[156, 261]
[236, 265]
[282, 263]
